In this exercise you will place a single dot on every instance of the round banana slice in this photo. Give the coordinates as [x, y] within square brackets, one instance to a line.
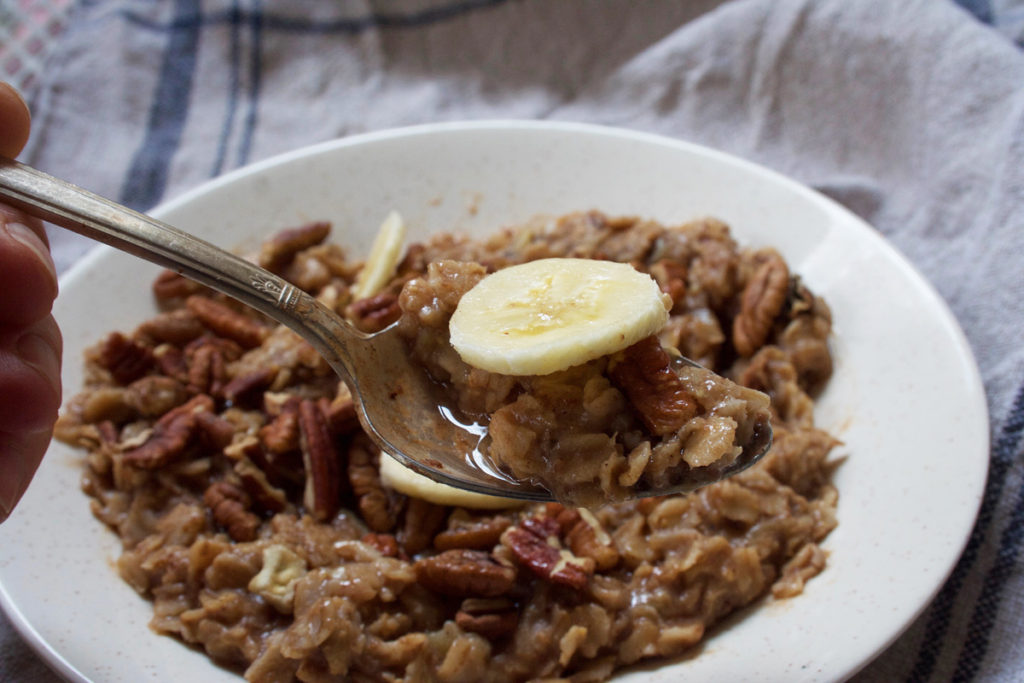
[548, 315]
[395, 475]
[384, 256]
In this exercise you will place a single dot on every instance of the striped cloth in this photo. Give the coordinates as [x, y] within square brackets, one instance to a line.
[910, 113]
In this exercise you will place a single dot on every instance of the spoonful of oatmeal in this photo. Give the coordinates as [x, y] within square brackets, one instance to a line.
[541, 380]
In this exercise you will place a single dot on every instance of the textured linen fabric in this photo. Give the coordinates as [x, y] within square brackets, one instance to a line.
[909, 113]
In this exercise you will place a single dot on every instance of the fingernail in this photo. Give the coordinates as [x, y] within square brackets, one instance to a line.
[24, 234]
[37, 351]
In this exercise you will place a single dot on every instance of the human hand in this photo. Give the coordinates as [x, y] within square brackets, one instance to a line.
[30, 342]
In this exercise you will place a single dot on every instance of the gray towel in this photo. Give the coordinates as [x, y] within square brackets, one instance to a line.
[909, 113]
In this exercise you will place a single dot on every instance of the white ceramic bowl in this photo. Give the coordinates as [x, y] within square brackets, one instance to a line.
[906, 397]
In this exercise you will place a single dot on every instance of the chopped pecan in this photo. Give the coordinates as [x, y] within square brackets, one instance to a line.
[126, 359]
[281, 435]
[207, 370]
[646, 376]
[247, 390]
[227, 322]
[374, 313]
[377, 506]
[107, 432]
[282, 247]
[422, 522]
[465, 573]
[172, 434]
[320, 458]
[476, 532]
[154, 395]
[671, 277]
[177, 327]
[229, 504]
[762, 300]
[587, 538]
[256, 484]
[535, 543]
[340, 415]
[492, 618]
[171, 362]
[216, 431]
[385, 543]
[170, 285]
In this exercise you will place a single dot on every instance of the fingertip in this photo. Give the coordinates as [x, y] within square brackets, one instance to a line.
[15, 121]
[20, 455]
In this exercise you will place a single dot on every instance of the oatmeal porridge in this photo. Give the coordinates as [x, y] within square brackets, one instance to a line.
[227, 457]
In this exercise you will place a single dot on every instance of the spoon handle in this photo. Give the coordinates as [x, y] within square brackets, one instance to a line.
[88, 214]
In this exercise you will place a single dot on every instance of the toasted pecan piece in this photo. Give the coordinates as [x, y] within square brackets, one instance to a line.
[172, 434]
[492, 618]
[283, 246]
[320, 458]
[229, 504]
[535, 543]
[465, 573]
[645, 375]
[762, 300]
[227, 322]
[126, 359]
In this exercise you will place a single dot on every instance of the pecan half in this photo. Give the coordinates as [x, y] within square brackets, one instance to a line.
[422, 522]
[255, 482]
[228, 504]
[321, 462]
[207, 369]
[374, 313]
[247, 390]
[385, 543]
[283, 246]
[177, 327]
[535, 543]
[378, 508]
[172, 434]
[465, 573]
[170, 285]
[215, 430]
[477, 532]
[645, 376]
[492, 618]
[227, 322]
[762, 300]
[281, 435]
[126, 359]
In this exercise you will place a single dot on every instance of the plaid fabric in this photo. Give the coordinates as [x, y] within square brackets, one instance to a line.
[29, 30]
[910, 113]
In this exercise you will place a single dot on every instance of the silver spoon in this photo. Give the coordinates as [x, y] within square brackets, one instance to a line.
[397, 403]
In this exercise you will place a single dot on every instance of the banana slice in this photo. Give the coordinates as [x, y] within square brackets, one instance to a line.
[399, 477]
[548, 315]
[384, 256]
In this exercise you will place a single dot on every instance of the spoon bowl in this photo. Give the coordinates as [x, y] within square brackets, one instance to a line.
[398, 405]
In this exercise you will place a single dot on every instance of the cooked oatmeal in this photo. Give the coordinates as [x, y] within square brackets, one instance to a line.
[227, 457]
[596, 432]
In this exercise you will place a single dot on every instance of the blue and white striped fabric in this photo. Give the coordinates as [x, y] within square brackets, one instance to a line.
[910, 113]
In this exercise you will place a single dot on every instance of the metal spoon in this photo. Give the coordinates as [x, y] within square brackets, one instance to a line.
[397, 403]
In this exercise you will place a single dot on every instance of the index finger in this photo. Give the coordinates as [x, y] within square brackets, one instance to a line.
[15, 121]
